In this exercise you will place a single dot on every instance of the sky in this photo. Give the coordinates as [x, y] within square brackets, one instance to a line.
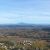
[25, 11]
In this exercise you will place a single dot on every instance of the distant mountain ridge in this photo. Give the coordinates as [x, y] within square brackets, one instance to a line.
[24, 25]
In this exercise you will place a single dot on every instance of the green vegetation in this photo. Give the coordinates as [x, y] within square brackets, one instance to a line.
[25, 45]
[2, 49]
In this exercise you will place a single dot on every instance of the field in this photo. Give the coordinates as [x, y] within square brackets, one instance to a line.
[19, 37]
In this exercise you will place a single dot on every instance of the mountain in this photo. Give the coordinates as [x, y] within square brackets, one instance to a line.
[25, 26]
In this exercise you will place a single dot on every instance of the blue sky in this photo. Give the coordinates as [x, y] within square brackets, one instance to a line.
[25, 11]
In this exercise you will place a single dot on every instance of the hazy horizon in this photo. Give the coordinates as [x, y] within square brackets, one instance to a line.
[25, 11]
